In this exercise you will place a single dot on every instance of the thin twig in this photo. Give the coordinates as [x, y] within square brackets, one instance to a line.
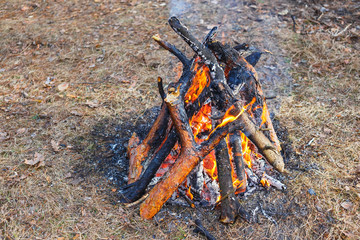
[137, 201]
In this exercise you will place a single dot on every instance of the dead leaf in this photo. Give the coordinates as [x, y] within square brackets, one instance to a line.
[55, 145]
[284, 12]
[76, 236]
[76, 113]
[3, 136]
[357, 170]
[327, 130]
[347, 205]
[63, 86]
[25, 8]
[21, 131]
[92, 104]
[38, 158]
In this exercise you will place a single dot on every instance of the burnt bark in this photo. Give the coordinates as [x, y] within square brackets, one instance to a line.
[138, 154]
[135, 190]
[186, 161]
[229, 202]
[235, 143]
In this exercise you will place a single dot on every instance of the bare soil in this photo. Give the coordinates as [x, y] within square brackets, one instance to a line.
[78, 76]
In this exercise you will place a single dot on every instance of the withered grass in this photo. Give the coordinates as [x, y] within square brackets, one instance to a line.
[104, 51]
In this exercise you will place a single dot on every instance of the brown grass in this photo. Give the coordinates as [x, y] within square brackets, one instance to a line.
[103, 50]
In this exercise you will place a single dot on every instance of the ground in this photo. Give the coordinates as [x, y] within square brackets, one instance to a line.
[70, 70]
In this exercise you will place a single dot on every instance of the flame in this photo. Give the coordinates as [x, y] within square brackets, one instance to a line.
[210, 167]
[189, 194]
[264, 181]
[199, 82]
[246, 150]
[228, 117]
[201, 122]
[264, 115]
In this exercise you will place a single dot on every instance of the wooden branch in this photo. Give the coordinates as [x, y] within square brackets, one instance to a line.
[236, 148]
[171, 48]
[228, 204]
[161, 88]
[134, 191]
[186, 161]
[264, 145]
[138, 153]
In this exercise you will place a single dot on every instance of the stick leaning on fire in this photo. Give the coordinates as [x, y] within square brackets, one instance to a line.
[172, 125]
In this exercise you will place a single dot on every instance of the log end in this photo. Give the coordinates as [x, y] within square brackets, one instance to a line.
[226, 220]
[279, 164]
[145, 213]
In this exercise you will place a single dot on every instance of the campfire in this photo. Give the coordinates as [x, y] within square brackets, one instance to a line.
[213, 126]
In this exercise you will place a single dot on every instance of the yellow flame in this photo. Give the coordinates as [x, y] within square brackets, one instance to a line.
[264, 114]
[199, 82]
[265, 182]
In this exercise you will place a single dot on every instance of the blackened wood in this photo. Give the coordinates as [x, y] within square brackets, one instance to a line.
[171, 48]
[229, 202]
[253, 58]
[243, 47]
[199, 228]
[263, 144]
[186, 161]
[135, 190]
[209, 37]
[236, 148]
[216, 72]
[161, 88]
[151, 142]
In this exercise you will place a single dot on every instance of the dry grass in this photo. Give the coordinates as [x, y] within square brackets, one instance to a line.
[103, 50]
[324, 111]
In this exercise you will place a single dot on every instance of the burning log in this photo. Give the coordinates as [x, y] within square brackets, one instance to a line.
[229, 203]
[236, 149]
[230, 92]
[138, 153]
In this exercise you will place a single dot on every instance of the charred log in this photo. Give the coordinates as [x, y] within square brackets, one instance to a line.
[235, 143]
[138, 153]
[228, 199]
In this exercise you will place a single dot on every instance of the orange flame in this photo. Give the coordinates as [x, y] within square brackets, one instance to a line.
[210, 167]
[201, 122]
[265, 182]
[264, 114]
[199, 82]
[246, 150]
[228, 117]
[189, 194]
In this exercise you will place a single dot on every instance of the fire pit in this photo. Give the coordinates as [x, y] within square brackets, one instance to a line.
[213, 125]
